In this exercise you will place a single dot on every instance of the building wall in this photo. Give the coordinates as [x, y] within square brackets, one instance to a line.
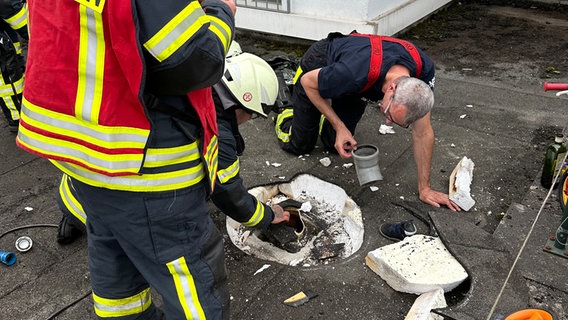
[314, 19]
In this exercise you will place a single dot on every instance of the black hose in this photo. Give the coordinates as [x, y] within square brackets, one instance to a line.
[27, 227]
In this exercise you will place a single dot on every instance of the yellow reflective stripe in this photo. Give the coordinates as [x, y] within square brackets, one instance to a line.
[322, 119]
[163, 181]
[285, 114]
[228, 173]
[221, 30]
[211, 158]
[115, 163]
[160, 157]
[90, 65]
[67, 125]
[96, 5]
[14, 112]
[177, 31]
[18, 47]
[20, 19]
[297, 75]
[6, 90]
[186, 290]
[109, 308]
[70, 201]
[257, 216]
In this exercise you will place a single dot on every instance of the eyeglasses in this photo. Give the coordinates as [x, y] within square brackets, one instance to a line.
[389, 116]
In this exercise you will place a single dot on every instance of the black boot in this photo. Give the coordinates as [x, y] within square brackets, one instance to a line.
[67, 232]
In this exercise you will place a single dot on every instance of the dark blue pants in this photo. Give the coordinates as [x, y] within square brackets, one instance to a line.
[304, 126]
[165, 240]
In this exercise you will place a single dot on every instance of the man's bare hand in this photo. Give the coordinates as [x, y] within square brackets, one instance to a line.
[436, 199]
[345, 143]
[279, 214]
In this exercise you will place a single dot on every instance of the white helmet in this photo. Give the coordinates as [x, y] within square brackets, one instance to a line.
[251, 81]
[234, 49]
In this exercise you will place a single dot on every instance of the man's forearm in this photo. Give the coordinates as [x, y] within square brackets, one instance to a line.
[423, 145]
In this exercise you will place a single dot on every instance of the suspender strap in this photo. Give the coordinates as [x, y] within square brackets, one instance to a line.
[412, 50]
[377, 56]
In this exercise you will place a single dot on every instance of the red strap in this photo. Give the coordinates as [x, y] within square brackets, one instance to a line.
[377, 56]
[412, 50]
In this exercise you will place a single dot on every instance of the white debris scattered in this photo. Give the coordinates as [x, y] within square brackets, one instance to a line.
[384, 129]
[452, 145]
[306, 207]
[294, 263]
[469, 105]
[281, 177]
[463, 116]
[325, 161]
[460, 184]
[29, 208]
[401, 197]
[245, 236]
[373, 188]
[347, 165]
[264, 267]
[467, 69]
[417, 264]
[276, 164]
[267, 163]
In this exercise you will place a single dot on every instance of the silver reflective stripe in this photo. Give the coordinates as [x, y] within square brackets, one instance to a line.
[221, 29]
[7, 90]
[91, 65]
[112, 308]
[176, 32]
[119, 161]
[257, 216]
[69, 200]
[136, 183]
[225, 175]
[80, 130]
[185, 287]
[157, 157]
[20, 19]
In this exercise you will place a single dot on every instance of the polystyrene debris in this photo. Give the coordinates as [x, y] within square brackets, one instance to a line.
[384, 129]
[264, 267]
[325, 161]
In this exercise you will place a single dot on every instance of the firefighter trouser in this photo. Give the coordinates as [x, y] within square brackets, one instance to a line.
[10, 103]
[298, 131]
[161, 239]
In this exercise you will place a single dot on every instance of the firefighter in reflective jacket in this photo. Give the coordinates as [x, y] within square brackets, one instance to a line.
[118, 97]
[338, 75]
[248, 86]
[13, 37]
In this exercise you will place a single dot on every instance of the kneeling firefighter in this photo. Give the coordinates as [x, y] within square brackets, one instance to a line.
[248, 89]
[13, 42]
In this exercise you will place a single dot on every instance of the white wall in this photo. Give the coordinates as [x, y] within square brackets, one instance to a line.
[314, 19]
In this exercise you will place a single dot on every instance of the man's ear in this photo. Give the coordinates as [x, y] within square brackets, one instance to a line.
[392, 86]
